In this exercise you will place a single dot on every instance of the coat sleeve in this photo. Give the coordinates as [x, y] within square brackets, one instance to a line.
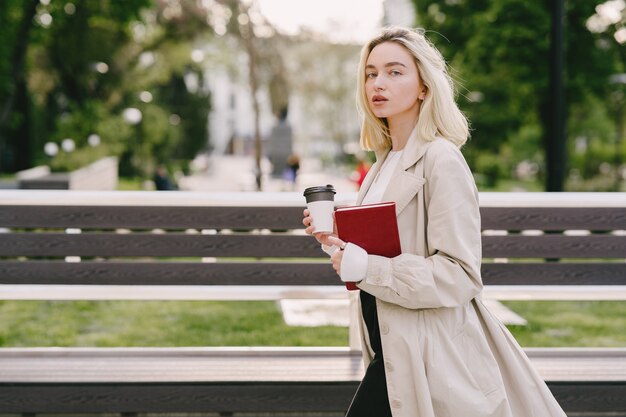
[450, 276]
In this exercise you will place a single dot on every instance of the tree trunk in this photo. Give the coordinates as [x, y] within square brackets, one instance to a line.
[247, 32]
[19, 55]
[15, 151]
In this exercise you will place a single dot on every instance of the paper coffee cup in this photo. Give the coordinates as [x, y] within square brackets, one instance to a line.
[321, 203]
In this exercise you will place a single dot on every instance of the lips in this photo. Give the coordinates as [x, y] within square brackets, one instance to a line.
[379, 99]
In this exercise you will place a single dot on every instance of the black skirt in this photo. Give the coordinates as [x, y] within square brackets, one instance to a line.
[371, 398]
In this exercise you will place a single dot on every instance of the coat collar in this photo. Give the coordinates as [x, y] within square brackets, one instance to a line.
[413, 150]
[403, 184]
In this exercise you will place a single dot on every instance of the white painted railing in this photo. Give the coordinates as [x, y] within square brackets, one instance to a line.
[194, 198]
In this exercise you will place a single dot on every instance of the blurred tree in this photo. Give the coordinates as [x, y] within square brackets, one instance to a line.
[87, 62]
[498, 50]
[328, 86]
[265, 67]
[83, 60]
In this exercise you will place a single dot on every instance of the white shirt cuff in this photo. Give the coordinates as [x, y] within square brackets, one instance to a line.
[353, 264]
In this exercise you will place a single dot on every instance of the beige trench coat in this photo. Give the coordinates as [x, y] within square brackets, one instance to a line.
[445, 354]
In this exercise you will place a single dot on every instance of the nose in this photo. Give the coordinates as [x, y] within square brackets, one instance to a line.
[379, 83]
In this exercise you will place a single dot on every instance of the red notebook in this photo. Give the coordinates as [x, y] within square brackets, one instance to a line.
[372, 226]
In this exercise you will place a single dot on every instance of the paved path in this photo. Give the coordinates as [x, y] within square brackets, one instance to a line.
[311, 313]
[236, 173]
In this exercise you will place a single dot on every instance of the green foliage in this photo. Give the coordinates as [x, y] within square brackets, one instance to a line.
[491, 167]
[498, 51]
[67, 162]
[10, 16]
[85, 66]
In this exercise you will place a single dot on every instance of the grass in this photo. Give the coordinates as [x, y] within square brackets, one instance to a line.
[129, 184]
[569, 323]
[148, 323]
[227, 323]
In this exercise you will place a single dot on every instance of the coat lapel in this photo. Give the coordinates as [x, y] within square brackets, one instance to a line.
[414, 150]
[405, 186]
[405, 183]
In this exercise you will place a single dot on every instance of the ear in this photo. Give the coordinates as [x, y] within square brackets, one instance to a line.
[422, 94]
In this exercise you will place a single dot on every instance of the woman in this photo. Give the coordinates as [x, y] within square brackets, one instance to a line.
[430, 346]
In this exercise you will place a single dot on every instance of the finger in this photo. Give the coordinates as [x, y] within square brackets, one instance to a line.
[336, 241]
[337, 266]
[306, 212]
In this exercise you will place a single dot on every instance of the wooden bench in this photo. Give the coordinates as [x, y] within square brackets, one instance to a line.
[150, 245]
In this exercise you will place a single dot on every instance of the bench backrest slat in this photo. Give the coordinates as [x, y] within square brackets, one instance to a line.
[283, 274]
[279, 245]
[553, 218]
[166, 273]
[158, 245]
[149, 217]
[554, 246]
[554, 273]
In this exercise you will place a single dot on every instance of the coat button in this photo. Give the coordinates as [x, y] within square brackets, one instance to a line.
[396, 403]
[388, 366]
[384, 329]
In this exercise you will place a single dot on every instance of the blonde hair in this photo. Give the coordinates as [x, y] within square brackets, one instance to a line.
[439, 113]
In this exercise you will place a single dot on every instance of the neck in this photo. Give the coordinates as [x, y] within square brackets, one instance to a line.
[401, 126]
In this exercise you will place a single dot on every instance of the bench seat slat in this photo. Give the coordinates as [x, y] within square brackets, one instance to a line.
[593, 399]
[179, 380]
[189, 397]
[47, 365]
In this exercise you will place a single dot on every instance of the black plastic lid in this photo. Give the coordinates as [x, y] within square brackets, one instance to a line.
[319, 193]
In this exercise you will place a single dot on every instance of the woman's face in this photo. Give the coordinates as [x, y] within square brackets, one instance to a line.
[392, 82]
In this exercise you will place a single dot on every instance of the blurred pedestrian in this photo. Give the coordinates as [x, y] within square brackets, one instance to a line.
[360, 172]
[162, 181]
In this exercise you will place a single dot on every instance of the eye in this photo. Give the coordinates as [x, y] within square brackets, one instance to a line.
[370, 75]
[395, 72]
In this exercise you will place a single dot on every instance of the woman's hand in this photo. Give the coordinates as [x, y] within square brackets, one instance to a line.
[337, 257]
[322, 238]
